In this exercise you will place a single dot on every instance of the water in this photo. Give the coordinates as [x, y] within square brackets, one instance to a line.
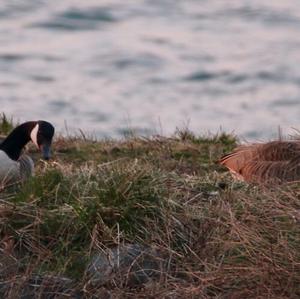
[152, 65]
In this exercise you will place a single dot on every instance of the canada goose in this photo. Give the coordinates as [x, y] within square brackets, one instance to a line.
[271, 162]
[13, 165]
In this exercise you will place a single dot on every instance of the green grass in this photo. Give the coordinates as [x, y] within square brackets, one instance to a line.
[238, 242]
[6, 124]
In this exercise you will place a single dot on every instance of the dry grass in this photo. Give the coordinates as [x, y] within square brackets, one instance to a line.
[238, 241]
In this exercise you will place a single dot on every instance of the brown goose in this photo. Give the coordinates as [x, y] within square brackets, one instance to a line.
[276, 161]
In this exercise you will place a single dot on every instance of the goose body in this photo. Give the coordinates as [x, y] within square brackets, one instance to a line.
[15, 166]
[276, 161]
[14, 171]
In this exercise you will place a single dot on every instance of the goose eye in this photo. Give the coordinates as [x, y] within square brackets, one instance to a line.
[39, 139]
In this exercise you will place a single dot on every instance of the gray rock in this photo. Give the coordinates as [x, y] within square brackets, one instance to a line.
[132, 264]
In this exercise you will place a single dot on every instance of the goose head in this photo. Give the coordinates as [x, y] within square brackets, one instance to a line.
[39, 132]
[41, 135]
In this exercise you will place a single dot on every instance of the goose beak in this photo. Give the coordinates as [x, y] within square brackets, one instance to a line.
[45, 148]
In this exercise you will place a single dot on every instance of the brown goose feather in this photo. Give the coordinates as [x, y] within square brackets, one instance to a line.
[275, 161]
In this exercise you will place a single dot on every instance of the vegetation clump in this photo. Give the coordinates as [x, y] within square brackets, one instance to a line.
[238, 241]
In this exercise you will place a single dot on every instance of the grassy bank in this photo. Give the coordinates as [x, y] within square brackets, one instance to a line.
[219, 239]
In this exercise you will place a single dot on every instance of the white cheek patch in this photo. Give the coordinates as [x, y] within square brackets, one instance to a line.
[33, 135]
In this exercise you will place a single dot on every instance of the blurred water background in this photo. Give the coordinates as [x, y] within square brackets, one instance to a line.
[152, 65]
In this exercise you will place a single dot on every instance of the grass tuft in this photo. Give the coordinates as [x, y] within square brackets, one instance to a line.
[6, 124]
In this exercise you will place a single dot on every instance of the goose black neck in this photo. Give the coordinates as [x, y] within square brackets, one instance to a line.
[13, 144]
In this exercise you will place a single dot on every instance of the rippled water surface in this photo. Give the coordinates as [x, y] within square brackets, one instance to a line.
[153, 65]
